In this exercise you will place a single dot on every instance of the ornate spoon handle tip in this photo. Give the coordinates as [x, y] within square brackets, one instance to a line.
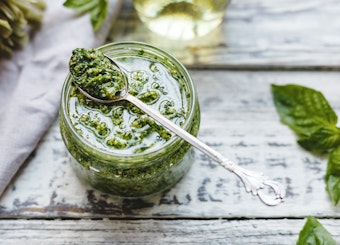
[256, 182]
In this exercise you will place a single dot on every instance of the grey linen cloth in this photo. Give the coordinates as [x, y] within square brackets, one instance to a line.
[31, 82]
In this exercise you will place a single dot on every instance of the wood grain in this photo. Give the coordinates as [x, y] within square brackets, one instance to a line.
[262, 33]
[239, 120]
[157, 231]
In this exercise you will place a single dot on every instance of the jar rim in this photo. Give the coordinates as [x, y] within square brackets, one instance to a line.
[154, 151]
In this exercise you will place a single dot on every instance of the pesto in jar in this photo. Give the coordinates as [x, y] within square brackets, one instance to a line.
[121, 126]
[116, 147]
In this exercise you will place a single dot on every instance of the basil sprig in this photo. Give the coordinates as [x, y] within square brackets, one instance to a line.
[307, 112]
[314, 233]
[97, 8]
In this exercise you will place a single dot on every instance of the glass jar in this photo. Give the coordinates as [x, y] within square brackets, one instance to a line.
[152, 165]
[181, 19]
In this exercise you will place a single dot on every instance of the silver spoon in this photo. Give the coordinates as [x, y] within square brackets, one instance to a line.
[254, 182]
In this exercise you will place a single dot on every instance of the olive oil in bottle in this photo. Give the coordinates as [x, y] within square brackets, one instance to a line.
[181, 19]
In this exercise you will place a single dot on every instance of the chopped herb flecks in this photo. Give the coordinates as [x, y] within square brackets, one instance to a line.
[95, 74]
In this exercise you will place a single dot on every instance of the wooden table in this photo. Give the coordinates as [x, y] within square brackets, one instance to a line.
[259, 43]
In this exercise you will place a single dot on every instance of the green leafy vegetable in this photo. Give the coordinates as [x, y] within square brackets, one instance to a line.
[325, 138]
[313, 233]
[307, 112]
[333, 176]
[97, 8]
[16, 18]
[303, 109]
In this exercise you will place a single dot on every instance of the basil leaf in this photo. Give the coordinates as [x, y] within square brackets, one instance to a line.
[303, 109]
[313, 233]
[98, 10]
[80, 5]
[325, 138]
[99, 14]
[333, 176]
[308, 113]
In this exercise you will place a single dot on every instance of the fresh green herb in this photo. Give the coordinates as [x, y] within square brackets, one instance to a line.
[313, 233]
[307, 112]
[304, 110]
[333, 176]
[97, 8]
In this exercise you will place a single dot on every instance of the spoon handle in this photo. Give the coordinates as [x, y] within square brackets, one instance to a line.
[254, 182]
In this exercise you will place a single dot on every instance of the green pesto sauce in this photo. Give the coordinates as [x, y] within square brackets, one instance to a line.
[122, 127]
[95, 74]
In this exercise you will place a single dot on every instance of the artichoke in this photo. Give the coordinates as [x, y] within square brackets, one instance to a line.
[17, 17]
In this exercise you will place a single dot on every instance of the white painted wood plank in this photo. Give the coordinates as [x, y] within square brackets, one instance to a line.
[239, 120]
[156, 231]
[254, 33]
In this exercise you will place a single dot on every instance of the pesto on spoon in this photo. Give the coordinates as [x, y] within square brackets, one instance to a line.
[95, 76]
[101, 79]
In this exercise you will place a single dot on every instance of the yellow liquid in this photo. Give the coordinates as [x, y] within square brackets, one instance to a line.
[181, 20]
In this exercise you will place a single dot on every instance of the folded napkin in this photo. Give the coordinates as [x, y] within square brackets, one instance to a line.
[31, 82]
